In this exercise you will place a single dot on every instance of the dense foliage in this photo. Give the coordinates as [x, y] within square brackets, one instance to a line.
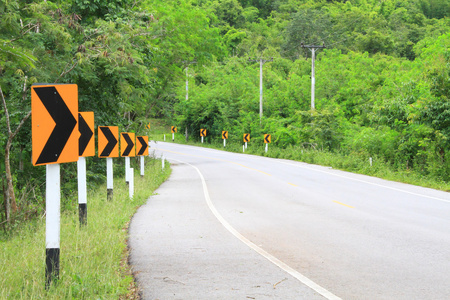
[382, 83]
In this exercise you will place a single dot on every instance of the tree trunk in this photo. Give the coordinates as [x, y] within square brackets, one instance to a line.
[10, 196]
[5, 203]
[21, 158]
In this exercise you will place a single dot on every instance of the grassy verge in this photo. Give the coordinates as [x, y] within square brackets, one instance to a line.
[93, 257]
[357, 163]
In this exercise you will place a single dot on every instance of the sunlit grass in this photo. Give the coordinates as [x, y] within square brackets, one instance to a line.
[92, 256]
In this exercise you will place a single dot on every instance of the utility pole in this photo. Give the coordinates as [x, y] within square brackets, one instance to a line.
[313, 49]
[187, 90]
[261, 62]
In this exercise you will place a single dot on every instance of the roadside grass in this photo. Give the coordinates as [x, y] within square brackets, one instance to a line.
[93, 263]
[354, 162]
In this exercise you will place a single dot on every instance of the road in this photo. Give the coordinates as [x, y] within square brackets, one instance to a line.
[236, 226]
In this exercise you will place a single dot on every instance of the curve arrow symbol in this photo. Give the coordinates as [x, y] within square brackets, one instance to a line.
[86, 134]
[112, 141]
[64, 124]
[130, 145]
[144, 145]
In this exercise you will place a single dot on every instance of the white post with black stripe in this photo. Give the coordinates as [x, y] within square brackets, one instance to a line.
[131, 182]
[109, 178]
[82, 190]
[52, 222]
[142, 165]
[127, 166]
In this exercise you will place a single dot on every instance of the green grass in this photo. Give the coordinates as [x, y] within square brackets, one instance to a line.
[93, 257]
[355, 162]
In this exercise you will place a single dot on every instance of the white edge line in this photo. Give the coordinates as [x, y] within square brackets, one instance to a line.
[303, 279]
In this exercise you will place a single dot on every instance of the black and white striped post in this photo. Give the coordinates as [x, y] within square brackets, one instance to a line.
[108, 147]
[86, 147]
[54, 111]
[131, 182]
[109, 178]
[142, 165]
[52, 222]
[82, 190]
[127, 167]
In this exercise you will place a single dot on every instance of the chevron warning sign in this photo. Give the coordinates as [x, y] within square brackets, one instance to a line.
[86, 143]
[246, 137]
[108, 138]
[127, 144]
[54, 115]
[267, 138]
[142, 142]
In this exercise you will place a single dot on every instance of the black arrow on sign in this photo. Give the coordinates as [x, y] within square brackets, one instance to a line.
[64, 124]
[266, 138]
[224, 135]
[130, 145]
[143, 145]
[246, 137]
[203, 132]
[86, 134]
[112, 141]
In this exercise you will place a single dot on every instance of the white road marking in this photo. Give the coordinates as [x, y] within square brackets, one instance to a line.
[338, 175]
[303, 279]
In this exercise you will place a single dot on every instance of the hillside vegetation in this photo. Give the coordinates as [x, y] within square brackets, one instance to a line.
[382, 82]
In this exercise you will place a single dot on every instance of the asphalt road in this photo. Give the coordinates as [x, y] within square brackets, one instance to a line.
[235, 226]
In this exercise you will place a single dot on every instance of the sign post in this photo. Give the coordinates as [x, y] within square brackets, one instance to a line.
[128, 149]
[143, 150]
[52, 222]
[202, 133]
[108, 147]
[224, 137]
[86, 147]
[127, 146]
[54, 111]
[173, 129]
[267, 140]
[246, 139]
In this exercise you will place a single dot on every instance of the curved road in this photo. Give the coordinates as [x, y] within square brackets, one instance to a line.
[234, 226]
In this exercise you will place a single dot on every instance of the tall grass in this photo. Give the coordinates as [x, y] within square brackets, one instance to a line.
[93, 257]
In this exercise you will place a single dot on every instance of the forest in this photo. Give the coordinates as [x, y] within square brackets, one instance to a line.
[382, 77]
